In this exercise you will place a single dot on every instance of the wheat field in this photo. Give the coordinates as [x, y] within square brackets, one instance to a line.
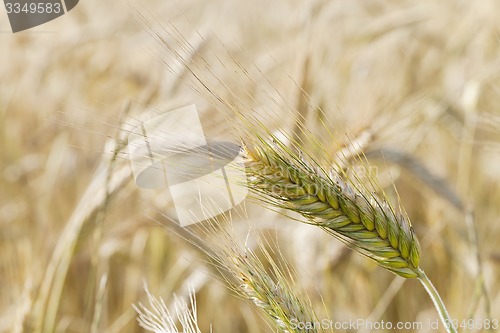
[414, 85]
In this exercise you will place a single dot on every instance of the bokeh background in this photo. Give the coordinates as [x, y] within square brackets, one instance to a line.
[417, 84]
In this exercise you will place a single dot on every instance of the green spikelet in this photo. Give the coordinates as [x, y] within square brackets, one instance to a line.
[363, 222]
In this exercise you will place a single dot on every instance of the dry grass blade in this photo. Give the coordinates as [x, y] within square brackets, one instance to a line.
[362, 221]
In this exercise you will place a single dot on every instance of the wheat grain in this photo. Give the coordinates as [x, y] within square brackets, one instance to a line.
[362, 221]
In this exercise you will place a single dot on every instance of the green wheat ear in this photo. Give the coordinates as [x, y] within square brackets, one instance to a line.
[362, 221]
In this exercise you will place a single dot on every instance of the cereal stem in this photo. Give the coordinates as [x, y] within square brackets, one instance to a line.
[438, 302]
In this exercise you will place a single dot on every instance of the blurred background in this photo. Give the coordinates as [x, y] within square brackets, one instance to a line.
[417, 84]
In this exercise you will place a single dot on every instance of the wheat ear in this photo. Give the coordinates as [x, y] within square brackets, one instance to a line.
[360, 220]
[261, 280]
[365, 223]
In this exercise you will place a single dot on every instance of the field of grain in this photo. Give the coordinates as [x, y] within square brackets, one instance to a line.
[416, 85]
